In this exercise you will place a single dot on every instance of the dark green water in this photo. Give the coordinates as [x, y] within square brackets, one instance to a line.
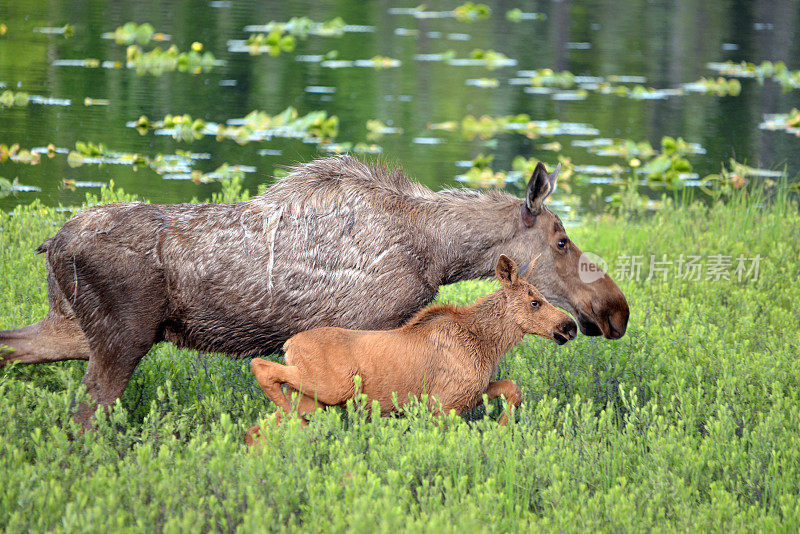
[667, 43]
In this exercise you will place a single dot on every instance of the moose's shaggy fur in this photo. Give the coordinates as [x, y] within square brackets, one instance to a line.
[336, 243]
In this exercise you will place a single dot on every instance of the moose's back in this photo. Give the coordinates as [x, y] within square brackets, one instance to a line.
[336, 243]
[332, 247]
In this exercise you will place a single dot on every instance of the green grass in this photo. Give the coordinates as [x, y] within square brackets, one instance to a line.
[690, 422]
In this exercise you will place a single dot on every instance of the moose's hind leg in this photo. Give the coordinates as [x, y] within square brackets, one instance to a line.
[119, 298]
[272, 376]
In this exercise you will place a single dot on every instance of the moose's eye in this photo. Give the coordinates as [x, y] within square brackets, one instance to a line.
[562, 243]
[535, 304]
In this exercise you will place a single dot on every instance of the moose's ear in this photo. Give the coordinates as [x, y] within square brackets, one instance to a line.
[539, 188]
[552, 179]
[506, 271]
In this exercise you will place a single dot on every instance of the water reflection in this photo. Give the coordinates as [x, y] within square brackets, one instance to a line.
[432, 69]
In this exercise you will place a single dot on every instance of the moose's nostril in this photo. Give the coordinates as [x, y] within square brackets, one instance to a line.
[570, 329]
[614, 333]
[558, 338]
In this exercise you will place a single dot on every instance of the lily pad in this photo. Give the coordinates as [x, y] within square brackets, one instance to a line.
[258, 125]
[131, 32]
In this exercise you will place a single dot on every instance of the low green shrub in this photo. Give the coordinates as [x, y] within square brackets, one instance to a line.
[689, 422]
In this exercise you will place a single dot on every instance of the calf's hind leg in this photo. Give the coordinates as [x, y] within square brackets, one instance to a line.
[305, 405]
[271, 376]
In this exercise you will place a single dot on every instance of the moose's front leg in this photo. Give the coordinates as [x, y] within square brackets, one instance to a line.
[509, 390]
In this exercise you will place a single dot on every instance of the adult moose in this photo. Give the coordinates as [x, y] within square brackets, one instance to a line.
[336, 243]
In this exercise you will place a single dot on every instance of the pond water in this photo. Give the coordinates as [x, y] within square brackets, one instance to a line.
[627, 64]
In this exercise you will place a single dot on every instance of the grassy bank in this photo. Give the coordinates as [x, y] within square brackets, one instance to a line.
[689, 422]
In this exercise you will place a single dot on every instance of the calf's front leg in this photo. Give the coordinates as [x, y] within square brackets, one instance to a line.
[507, 389]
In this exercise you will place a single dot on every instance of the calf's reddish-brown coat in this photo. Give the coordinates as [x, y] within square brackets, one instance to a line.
[447, 352]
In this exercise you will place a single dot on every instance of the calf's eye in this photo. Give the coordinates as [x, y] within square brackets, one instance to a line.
[535, 304]
[562, 244]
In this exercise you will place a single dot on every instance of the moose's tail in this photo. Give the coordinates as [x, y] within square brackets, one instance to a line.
[44, 247]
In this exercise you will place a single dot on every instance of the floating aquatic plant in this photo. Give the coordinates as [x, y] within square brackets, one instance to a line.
[777, 72]
[90, 149]
[68, 30]
[667, 169]
[483, 177]
[643, 150]
[99, 154]
[578, 94]
[640, 92]
[348, 147]
[88, 63]
[720, 86]
[28, 157]
[490, 58]
[69, 183]
[667, 166]
[487, 127]
[8, 187]
[377, 129]
[517, 15]
[470, 12]
[157, 61]
[448, 126]
[277, 37]
[302, 27]
[223, 172]
[550, 78]
[178, 166]
[376, 62]
[614, 85]
[256, 126]
[787, 122]
[488, 83]
[272, 43]
[131, 32]
[467, 12]
[555, 146]
[182, 127]
[95, 101]
[9, 98]
[379, 62]
[480, 174]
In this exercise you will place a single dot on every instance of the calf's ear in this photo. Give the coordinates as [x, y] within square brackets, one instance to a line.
[506, 271]
[540, 186]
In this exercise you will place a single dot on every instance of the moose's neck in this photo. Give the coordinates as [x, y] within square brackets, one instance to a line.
[487, 320]
[469, 231]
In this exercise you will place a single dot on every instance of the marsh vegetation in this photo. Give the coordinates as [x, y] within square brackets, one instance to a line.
[260, 86]
[676, 130]
[689, 422]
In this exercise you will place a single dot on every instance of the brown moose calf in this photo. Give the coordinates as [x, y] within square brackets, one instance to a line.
[447, 352]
